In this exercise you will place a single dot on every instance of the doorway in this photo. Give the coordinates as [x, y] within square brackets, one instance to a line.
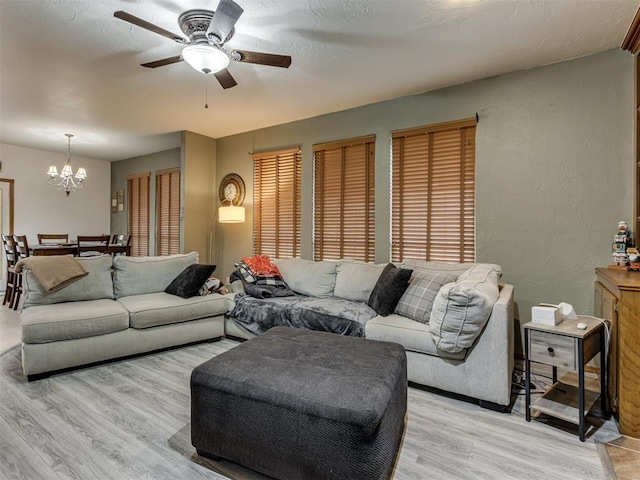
[6, 220]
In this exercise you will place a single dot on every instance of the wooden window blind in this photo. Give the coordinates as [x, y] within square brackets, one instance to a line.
[168, 211]
[138, 212]
[344, 199]
[276, 203]
[433, 192]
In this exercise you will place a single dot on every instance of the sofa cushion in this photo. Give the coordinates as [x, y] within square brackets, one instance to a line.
[413, 336]
[139, 275]
[65, 321]
[355, 280]
[189, 282]
[153, 309]
[417, 300]
[389, 288]
[461, 309]
[316, 279]
[94, 286]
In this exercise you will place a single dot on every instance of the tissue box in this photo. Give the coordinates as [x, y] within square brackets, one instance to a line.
[546, 315]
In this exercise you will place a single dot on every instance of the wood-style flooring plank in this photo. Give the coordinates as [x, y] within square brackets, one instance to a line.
[131, 419]
[18, 459]
[63, 450]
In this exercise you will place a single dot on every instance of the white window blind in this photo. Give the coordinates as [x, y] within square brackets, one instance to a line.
[168, 211]
[138, 213]
[433, 192]
[344, 199]
[276, 203]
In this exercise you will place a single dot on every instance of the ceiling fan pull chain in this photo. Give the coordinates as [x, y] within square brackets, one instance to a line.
[206, 91]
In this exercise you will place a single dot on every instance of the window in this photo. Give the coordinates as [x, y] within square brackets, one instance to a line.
[344, 177]
[433, 192]
[138, 211]
[168, 211]
[276, 203]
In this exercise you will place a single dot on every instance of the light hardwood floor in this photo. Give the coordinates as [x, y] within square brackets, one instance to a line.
[130, 419]
[10, 332]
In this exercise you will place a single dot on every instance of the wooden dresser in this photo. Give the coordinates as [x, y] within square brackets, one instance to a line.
[617, 299]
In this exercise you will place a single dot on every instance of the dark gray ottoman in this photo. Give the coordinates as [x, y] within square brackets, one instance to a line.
[299, 404]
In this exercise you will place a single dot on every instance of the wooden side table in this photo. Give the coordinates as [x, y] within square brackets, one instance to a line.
[567, 347]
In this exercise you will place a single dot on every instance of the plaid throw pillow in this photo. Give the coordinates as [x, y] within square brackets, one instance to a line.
[250, 277]
[417, 300]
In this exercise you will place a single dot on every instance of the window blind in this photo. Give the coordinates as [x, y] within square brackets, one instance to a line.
[168, 211]
[276, 203]
[433, 192]
[344, 199]
[138, 213]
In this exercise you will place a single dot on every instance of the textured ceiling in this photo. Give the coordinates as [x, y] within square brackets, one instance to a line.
[70, 66]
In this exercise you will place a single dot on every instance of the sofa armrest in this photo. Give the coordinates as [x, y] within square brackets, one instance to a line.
[231, 300]
[491, 357]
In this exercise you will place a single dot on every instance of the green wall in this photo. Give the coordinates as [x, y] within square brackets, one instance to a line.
[145, 163]
[554, 167]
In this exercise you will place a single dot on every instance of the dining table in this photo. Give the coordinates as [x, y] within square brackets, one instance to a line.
[72, 249]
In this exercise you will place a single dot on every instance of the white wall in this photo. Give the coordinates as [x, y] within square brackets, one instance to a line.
[40, 208]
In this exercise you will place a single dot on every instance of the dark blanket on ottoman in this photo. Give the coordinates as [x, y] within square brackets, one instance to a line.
[294, 403]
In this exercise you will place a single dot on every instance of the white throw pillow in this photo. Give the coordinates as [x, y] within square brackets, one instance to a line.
[355, 280]
[316, 279]
[461, 309]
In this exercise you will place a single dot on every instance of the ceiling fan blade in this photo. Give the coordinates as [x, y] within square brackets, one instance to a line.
[270, 59]
[225, 79]
[163, 62]
[224, 18]
[127, 17]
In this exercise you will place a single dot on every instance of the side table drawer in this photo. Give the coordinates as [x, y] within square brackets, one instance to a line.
[552, 349]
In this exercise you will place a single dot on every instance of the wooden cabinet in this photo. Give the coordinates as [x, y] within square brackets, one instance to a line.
[617, 299]
[606, 306]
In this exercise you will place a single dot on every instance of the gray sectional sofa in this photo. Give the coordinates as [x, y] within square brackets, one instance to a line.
[455, 321]
[118, 309]
[460, 342]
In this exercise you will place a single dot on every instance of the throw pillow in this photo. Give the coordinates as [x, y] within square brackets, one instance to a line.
[418, 299]
[187, 284]
[391, 284]
[462, 309]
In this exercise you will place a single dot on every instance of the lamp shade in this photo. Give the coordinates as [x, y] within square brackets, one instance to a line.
[231, 214]
[205, 58]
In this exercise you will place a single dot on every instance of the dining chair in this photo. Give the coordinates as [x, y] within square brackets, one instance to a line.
[22, 251]
[120, 240]
[11, 256]
[91, 245]
[49, 238]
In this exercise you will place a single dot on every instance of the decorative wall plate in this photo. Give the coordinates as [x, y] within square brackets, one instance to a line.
[232, 189]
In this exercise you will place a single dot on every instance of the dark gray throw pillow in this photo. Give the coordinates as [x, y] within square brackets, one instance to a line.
[187, 284]
[391, 284]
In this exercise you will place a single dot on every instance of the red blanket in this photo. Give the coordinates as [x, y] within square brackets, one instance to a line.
[261, 265]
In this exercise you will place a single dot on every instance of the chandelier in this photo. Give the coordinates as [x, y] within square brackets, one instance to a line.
[67, 181]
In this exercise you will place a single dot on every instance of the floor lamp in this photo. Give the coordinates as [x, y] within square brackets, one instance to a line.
[230, 209]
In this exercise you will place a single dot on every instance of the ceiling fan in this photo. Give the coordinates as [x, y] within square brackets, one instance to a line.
[207, 32]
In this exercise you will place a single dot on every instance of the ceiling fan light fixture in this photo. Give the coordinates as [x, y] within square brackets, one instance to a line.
[205, 58]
